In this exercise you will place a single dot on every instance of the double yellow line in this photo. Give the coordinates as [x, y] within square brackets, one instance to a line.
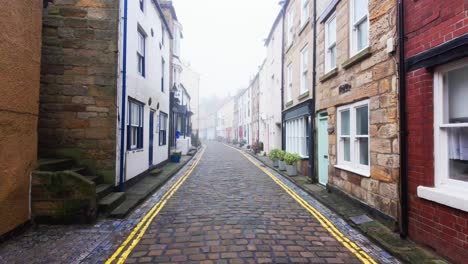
[346, 242]
[130, 243]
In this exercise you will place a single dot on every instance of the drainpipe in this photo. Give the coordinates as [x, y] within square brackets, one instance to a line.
[312, 104]
[124, 98]
[283, 129]
[403, 123]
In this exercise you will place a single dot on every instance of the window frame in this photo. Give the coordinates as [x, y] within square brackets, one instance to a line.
[290, 28]
[142, 5]
[289, 72]
[305, 16]
[162, 137]
[139, 128]
[297, 137]
[354, 164]
[441, 166]
[141, 58]
[328, 48]
[353, 28]
[304, 70]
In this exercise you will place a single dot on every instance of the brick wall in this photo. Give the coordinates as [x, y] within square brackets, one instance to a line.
[374, 78]
[78, 84]
[430, 23]
[20, 55]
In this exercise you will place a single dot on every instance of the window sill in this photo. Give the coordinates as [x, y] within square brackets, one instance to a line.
[362, 55]
[303, 26]
[332, 73]
[289, 47]
[364, 173]
[288, 104]
[446, 195]
[135, 150]
[303, 95]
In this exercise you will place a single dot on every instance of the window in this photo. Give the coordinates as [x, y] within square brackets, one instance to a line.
[163, 30]
[296, 136]
[142, 5]
[135, 125]
[163, 73]
[162, 129]
[304, 70]
[141, 52]
[305, 12]
[290, 28]
[359, 25]
[353, 138]
[330, 43]
[289, 88]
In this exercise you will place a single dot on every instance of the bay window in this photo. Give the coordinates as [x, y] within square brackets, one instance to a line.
[353, 138]
[359, 25]
[330, 44]
[297, 136]
[304, 70]
[135, 125]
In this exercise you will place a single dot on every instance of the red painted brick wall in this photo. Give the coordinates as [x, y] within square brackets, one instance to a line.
[430, 23]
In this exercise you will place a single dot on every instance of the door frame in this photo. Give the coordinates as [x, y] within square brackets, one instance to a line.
[151, 138]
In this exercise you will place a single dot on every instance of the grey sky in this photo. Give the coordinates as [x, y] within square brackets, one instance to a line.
[223, 40]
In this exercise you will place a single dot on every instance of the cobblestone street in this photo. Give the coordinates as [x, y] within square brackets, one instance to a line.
[227, 211]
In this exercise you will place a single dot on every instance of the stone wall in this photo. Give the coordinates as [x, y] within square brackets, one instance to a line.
[78, 85]
[20, 53]
[374, 78]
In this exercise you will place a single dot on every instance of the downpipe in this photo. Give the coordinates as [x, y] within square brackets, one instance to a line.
[312, 105]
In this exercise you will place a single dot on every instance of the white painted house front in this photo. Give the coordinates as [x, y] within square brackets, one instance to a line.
[146, 88]
[270, 89]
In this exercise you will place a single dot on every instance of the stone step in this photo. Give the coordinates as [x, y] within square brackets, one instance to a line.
[93, 178]
[110, 202]
[55, 164]
[125, 207]
[156, 172]
[80, 170]
[103, 190]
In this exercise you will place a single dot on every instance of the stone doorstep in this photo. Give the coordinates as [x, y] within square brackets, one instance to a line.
[149, 184]
[404, 249]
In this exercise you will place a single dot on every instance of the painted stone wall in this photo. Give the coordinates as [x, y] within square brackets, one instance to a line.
[78, 83]
[373, 77]
[20, 53]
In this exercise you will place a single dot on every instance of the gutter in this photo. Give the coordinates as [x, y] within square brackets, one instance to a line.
[124, 98]
[403, 123]
[312, 105]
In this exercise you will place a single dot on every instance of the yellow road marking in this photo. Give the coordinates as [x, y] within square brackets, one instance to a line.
[340, 237]
[143, 225]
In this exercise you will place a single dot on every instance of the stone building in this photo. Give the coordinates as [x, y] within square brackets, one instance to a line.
[20, 52]
[105, 86]
[255, 121]
[297, 81]
[356, 105]
[436, 59]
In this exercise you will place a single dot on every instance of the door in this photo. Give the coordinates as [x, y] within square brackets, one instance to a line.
[151, 137]
[323, 148]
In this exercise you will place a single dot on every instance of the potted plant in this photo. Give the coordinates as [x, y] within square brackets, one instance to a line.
[273, 155]
[281, 163]
[291, 162]
[175, 157]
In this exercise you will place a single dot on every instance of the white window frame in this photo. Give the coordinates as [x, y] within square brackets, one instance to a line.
[297, 136]
[305, 12]
[329, 47]
[289, 83]
[290, 32]
[304, 70]
[135, 127]
[353, 165]
[141, 52]
[446, 191]
[353, 30]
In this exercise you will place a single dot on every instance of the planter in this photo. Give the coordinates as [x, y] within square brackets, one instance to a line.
[291, 170]
[282, 165]
[275, 163]
[175, 159]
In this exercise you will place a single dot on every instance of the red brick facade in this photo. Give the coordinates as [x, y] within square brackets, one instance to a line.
[430, 23]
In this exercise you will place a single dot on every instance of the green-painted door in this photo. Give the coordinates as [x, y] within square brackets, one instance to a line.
[323, 148]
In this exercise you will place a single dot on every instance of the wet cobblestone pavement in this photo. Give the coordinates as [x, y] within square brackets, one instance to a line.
[227, 211]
